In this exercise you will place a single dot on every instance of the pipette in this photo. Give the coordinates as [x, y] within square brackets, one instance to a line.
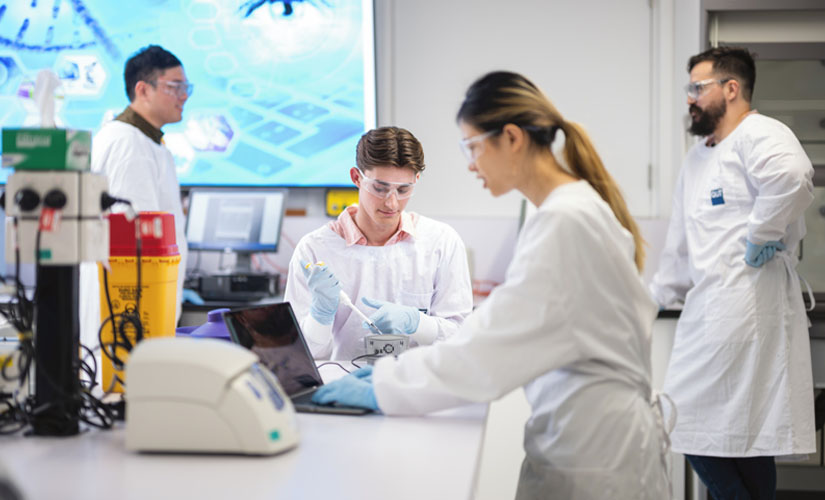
[343, 297]
[347, 302]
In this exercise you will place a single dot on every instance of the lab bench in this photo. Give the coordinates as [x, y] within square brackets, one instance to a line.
[343, 457]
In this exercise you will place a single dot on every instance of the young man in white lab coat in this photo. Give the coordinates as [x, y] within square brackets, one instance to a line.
[130, 152]
[407, 272]
[740, 370]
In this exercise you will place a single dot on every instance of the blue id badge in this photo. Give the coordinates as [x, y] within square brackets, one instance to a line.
[716, 197]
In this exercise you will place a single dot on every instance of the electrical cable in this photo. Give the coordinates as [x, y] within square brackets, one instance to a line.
[138, 285]
[120, 335]
[353, 360]
[17, 413]
[20, 315]
[333, 363]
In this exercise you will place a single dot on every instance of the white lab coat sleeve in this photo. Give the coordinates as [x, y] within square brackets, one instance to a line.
[672, 281]
[521, 331]
[132, 173]
[297, 293]
[318, 337]
[780, 170]
[452, 296]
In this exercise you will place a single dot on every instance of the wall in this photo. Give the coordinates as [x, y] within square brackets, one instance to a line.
[429, 51]
[681, 23]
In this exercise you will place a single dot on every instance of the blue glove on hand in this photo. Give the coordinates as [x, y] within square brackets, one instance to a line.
[392, 318]
[325, 292]
[192, 297]
[353, 390]
[757, 255]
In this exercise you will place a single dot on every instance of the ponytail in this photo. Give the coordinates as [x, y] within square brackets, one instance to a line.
[502, 97]
[585, 163]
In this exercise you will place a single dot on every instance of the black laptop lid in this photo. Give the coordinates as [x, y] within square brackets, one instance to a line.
[272, 333]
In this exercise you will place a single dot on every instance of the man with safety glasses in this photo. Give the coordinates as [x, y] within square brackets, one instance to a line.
[740, 368]
[129, 150]
[407, 272]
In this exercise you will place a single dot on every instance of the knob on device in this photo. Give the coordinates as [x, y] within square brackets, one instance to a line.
[55, 199]
[27, 199]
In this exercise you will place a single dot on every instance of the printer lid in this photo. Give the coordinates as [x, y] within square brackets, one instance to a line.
[184, 368]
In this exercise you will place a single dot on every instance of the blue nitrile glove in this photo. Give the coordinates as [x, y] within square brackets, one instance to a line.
[757, 255]
[192, 297]
[325, 289]
[353, 390]
[392, 318]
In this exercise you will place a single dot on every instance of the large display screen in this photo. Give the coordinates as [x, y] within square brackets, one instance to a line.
[282, 89]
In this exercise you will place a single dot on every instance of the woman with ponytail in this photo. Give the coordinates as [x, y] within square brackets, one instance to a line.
[571, 323]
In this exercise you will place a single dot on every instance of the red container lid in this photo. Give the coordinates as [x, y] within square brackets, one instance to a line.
[157, 235]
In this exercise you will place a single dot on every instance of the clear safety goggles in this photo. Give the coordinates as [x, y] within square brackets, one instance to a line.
[695, 90]
[385, 189]
[472, 147]
[177, 89]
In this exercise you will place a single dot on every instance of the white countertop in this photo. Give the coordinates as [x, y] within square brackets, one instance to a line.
[338, 457]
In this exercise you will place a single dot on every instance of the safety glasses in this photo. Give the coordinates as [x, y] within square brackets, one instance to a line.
[177, 89]
[385, 189]
[472, 147]
[695, 90]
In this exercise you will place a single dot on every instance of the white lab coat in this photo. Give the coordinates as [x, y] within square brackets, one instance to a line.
[428, 272]
[142, 172]
[572, 324]
[740, 369]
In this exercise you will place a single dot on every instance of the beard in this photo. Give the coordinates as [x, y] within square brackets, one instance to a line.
[704, 121]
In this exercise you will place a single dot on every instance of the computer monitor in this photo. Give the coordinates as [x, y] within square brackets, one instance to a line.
[243, 221]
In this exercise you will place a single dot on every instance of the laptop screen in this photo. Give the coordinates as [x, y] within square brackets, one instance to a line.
[272, 333]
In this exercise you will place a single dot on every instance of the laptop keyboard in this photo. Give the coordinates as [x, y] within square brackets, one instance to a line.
[305, 399]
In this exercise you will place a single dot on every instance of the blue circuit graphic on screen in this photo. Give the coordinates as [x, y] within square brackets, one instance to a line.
[283, 89]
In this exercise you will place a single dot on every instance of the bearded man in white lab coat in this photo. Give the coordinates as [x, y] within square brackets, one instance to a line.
[130, 152]
[740, 370]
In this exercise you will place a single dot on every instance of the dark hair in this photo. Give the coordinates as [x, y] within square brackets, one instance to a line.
[501, 97]
[730, 62]
[146, 65]
[389, 146]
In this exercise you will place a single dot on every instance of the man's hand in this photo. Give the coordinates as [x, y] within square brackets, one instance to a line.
[756, 255]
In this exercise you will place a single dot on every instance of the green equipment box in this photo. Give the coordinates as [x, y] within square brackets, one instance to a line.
[46, 149]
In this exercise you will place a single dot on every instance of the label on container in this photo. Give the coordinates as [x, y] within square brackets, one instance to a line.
[49, 219]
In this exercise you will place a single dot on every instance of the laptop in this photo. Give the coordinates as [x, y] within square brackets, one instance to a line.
[272, 332]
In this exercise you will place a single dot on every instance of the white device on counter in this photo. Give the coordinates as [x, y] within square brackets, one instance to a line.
[75, 235]
[205, 395]
[386, 344]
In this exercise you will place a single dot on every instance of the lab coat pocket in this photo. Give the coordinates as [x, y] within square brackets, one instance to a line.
[718, 206]
[419, 300]
[731, 315]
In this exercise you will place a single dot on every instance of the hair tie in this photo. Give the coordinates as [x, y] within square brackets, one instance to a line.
[551, 133]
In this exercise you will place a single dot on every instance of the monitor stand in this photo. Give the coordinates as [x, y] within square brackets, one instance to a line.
[243, 263]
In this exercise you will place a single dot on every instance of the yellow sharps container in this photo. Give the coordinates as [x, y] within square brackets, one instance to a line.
[159, 260]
